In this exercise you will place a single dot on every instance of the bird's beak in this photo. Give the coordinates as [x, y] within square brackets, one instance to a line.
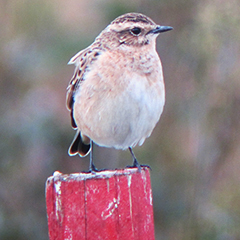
[160, 29]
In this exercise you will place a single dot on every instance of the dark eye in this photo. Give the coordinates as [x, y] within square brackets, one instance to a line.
[136, 30]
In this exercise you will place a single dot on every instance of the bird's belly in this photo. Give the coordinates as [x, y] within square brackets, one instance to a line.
[124, 119]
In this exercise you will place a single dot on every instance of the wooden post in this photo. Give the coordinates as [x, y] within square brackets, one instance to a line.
[114, 204]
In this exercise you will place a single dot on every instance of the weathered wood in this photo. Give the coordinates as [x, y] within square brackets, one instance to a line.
[105, 205]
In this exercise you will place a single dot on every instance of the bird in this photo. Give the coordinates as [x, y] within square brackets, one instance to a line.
[117, 94]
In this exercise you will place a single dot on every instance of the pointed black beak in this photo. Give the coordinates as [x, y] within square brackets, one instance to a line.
[160, 29]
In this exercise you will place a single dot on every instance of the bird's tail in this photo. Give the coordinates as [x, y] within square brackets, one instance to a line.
[81, 145]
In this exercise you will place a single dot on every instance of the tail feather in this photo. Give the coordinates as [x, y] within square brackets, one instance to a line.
[78, 146]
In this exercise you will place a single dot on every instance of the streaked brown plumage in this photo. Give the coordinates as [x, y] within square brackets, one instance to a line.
[116, 95]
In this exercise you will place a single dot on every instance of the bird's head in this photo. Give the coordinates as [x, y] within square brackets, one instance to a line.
[133, 29]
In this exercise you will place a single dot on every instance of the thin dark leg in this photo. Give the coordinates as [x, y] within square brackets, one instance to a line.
[92, 168]
[135, 162]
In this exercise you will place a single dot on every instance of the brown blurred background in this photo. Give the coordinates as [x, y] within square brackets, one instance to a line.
[194, 151]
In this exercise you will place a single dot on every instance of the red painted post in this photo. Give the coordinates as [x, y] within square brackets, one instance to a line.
[109, 205]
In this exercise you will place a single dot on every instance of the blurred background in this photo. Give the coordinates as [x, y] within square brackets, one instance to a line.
[195, 149]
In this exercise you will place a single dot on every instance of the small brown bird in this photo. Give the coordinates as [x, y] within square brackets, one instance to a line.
[116, 95]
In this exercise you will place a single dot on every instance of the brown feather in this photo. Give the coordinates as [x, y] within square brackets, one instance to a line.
[78, 147]
[73, 123]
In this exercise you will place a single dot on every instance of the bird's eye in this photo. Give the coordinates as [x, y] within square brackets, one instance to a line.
[136, 31]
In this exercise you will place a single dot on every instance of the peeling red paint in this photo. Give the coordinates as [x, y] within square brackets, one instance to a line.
[106, 205]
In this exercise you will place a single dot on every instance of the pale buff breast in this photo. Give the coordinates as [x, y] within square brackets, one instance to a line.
[120, 101]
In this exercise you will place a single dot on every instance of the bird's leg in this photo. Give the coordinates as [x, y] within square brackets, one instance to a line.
[135, 162]
[92, 167]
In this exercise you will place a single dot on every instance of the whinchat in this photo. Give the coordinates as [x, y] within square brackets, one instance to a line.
[116, 95]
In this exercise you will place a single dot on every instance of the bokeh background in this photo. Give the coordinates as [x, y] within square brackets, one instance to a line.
[194, 151]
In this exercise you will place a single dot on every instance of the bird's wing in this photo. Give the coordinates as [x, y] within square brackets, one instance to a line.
[82, 61]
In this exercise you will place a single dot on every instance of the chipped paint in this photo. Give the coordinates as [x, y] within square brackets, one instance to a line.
[57, 173]
[129, 177]
[144, 178]
[107, 180]
[57, 186]
[148, 192]
[58, 201]
[68, 231]
[86, 175]
[110, 209]
[150, 197]
[121, 194]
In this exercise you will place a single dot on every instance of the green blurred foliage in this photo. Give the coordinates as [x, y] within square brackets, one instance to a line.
[194, 150]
